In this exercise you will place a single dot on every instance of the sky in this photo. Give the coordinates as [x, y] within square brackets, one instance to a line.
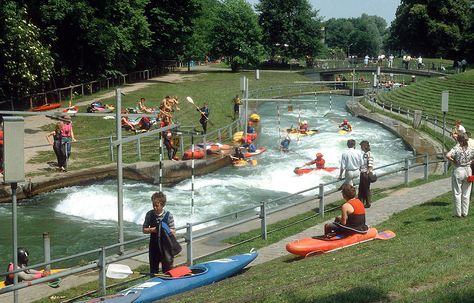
[353, 8]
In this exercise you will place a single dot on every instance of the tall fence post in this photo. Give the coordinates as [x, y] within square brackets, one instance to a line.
[426, 164]
[102, 265]
[263, 220]
[47, 250]
[139, 150]
[111, 148]
[189, 242]
[321, 200]
[446, 165]
[407, 168]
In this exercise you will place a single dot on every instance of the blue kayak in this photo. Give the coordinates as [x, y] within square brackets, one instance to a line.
[161, 287]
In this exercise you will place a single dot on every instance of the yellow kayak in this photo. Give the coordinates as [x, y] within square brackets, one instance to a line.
[343, 132]
[295, 132]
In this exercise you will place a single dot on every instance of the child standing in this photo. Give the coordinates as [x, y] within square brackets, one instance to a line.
[155, 219]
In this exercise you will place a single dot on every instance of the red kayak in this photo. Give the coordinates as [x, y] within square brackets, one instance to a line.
[198, 154]
[318, 245]
[257, 152]
[46, 107]
[306, 170]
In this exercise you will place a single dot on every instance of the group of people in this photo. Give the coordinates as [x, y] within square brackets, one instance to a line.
[61, 139]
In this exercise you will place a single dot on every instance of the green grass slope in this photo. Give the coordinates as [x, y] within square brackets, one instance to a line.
[426, 96]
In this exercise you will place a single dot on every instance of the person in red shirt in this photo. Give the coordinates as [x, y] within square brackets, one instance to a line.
[319, 161]
[352, 219]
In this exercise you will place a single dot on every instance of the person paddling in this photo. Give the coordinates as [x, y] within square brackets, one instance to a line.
[345, 125]
[285, 144]
[319, 161]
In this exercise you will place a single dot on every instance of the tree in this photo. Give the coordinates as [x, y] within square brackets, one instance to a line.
[292, 24]
[430, 27]
[467, 39]
[237, 34]
[26, 61]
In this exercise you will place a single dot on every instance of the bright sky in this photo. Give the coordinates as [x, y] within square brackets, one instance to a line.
[353, 8]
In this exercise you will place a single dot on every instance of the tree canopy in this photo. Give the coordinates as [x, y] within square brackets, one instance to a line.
[430, 27]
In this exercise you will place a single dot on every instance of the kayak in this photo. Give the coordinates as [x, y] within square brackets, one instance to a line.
[319, 245]
[202, 274]
[53, 271]
[239, 163]
[257, 152]
[198, 154]
[343, 132]
[48, 106]
[237, 137]
[295, 132]
[307, 170]
[216, 148]
[71, 110]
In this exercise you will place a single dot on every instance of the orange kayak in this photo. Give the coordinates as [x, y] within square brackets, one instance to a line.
[309, 246]
[198, 154]
[46, 107]
[307, 170]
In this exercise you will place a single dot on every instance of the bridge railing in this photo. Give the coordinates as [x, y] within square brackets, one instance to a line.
[407, 169]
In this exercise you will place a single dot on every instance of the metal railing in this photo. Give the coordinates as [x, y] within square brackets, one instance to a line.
[266, 208]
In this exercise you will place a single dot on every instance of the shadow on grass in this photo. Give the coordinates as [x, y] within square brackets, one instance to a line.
[434, 203]
[434, 219]
[355, 295]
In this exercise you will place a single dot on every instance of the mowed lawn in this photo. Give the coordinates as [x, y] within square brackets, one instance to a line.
[430, 260]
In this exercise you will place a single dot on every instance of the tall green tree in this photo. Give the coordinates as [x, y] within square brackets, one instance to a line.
[291, 28]
[467, 39]
[25, 60]
[237, 34]
[430, 27]
[172, 26]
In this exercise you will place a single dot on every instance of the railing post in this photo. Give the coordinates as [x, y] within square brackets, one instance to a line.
[446, 165]
[181, 143]
[321, 200]
[111, 148]
[219, 135]
[408, 113]
[407, 168]
[204, 145]
[189, 242]
[47, 250]
[426, 162]
[263, 220]
[102, 265]
[139, 150]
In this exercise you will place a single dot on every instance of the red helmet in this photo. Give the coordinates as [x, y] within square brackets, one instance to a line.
[319, 155]
[345, 120]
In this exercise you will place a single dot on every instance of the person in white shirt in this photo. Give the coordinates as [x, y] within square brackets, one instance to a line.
[351, 161]
[390, 60]
[458, 129]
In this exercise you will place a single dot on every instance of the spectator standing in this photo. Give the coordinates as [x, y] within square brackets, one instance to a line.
[351, 161]
[457, 129]
[237, 103]
[461, 156]
[463, 65]
[204, 117]
[366, 60]
[155, 220]
[58, 146]
[67, 135]
[367, 167]
[419, 61]
[168, 141]
[390, 61]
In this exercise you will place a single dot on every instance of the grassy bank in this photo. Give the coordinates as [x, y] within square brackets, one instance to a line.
[428, 261]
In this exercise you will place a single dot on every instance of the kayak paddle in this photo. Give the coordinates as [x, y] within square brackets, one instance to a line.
[190, 100]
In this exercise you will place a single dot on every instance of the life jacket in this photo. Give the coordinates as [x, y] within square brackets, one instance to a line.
[356, 220]
[320, 163]
[9, 277]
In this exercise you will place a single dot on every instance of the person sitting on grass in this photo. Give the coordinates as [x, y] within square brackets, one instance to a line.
[26, 275]
[126, 123]
[352, 219]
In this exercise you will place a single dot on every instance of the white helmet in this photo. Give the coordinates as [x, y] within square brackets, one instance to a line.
[305, 122]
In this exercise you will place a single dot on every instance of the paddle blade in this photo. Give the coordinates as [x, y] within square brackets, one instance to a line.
[118, 271]
[385, 235]
[189, 99]
[253, 162]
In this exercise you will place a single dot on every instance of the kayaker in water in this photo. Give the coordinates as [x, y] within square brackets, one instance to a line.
[352, 219]
[285, 144]
[319, 161]
[154, 220]
[345, 125]
[26, 275]
[303, 127]
[251, 148]
[238, 155]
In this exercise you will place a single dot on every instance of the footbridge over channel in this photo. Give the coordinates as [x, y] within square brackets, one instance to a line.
[330, 73]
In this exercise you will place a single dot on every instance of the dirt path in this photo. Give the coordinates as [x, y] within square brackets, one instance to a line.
[35, 137]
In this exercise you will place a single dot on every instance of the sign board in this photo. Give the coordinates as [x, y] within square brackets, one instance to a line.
[13, 149]
[444, 101]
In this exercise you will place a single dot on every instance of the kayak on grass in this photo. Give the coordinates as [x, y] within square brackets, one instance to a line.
[318, 245]
[201, 274]
[306, 170]
[216, 148]
[47, 106]
[198, 154]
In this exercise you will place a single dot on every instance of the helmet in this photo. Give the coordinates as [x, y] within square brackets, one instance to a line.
[22, 254]
[305, 122]
[319, 155]
[345, 120]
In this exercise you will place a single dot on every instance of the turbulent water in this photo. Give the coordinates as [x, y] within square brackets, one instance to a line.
[84, 217]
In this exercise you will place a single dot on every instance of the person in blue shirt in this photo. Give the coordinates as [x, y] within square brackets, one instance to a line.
[251, 148]
[204, 117]
[285, 144]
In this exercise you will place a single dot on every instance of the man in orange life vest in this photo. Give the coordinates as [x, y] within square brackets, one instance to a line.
[352, 219]
[319, 161]
[26, 275]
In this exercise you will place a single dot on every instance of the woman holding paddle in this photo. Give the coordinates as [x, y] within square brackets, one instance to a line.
[204, 117]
